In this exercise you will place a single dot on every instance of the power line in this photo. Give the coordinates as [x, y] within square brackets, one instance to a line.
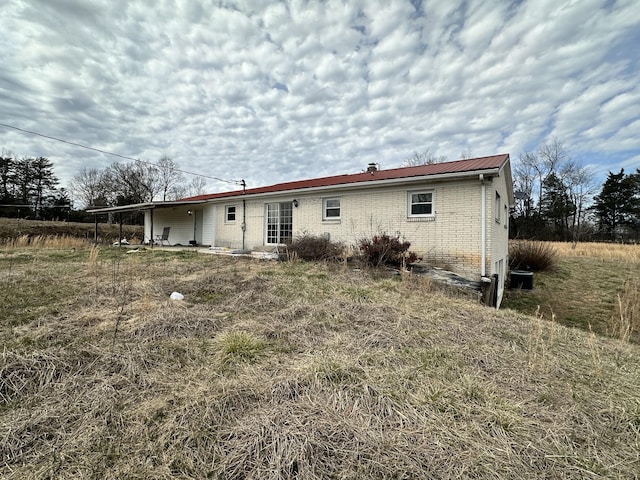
[236, 182]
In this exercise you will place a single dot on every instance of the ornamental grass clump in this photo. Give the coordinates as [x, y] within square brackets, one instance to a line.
[532, 256]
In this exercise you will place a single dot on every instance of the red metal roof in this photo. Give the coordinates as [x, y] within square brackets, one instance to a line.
[458, 166]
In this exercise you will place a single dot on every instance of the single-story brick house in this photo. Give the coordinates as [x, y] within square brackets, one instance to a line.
[455, 213]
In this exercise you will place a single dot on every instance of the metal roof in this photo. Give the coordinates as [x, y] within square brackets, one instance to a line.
[457, 168]
[462, 167]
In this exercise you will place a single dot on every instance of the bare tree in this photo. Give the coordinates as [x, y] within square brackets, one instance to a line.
[550, 173]
[524, 179]
[426, 157]
[550, 156]
[88, 185]
[197, 186]
[171, 181]
[581, 187]
[134, 182]
[466, 154]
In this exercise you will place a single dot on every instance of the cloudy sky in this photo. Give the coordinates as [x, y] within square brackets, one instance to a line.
[270, 91]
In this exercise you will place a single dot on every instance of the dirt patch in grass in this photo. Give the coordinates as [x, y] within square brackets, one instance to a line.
[294, 370]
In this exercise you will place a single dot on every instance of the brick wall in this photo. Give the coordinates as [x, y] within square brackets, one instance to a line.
[450, 238]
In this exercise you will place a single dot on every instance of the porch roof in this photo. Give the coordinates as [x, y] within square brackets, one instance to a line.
[142, 206]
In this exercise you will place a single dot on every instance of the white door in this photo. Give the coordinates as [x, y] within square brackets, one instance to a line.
[279, 223]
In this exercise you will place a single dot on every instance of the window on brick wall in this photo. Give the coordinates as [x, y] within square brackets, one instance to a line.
[420, 204]
[498, 207]
[331, 209]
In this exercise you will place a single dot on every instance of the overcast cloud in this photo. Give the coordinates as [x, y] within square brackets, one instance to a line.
[304, 89]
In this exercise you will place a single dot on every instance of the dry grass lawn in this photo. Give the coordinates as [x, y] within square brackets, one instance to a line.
[20, 230]
[592, 286]
[293, 371]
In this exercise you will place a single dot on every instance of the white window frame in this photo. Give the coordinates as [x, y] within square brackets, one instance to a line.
[226, 213]
[325, 208]
[410, 203]
[498, 207]
[278, 226]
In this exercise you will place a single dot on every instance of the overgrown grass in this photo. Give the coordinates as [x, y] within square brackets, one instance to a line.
[23, 231]
[625, 322]
[294, 370]
[590, 287]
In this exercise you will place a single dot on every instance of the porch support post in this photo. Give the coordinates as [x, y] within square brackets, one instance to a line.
[120, 237]
[151, 233]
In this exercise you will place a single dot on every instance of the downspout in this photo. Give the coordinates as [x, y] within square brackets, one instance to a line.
[244, 214]
[244, 221]
[483, 227]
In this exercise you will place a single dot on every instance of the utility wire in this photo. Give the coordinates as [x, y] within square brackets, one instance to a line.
[236, 182]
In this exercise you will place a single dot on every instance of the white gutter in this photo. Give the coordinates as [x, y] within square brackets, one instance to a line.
[483, 226]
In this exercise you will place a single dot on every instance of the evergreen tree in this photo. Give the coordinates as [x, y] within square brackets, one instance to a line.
[6, 178]
[618, 203]
[43, 183]
[556, 206]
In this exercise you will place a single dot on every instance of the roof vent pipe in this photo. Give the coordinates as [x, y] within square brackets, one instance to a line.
[372, 167]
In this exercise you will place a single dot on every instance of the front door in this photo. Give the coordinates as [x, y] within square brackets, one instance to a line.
[279, 219]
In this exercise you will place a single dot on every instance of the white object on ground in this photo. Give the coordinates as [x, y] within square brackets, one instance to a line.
[176, 296]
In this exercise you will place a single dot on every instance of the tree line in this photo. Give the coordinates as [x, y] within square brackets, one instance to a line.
[558, 199]
[29, 188]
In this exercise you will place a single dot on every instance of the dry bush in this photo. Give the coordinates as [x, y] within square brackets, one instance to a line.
[384, 249]
[315, 248]
[533, 256]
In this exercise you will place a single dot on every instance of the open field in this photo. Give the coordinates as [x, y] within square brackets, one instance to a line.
[15, 228]
[293, 371]
[583, 291]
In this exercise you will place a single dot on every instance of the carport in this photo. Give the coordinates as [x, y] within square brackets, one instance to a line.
[151, 206]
